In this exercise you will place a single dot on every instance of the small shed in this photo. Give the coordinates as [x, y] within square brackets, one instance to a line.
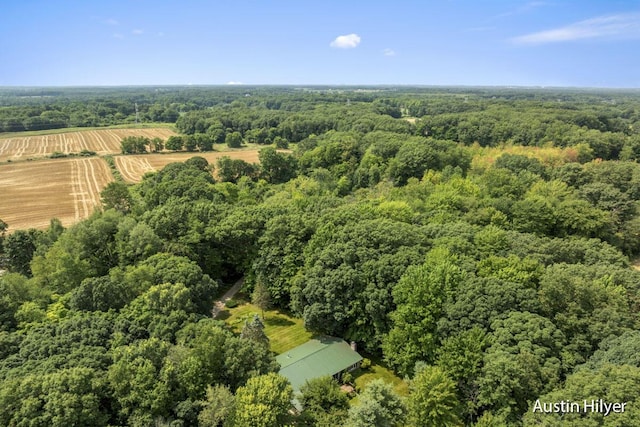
[316, 358]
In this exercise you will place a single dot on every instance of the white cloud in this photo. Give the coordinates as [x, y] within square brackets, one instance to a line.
[623, 26]
[137, 32]
[111, 21]
[389, 52]
[234, 83]
[348, 41]
[160, 34]
[118, 36]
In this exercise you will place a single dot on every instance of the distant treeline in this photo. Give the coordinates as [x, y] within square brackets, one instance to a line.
[600, 124]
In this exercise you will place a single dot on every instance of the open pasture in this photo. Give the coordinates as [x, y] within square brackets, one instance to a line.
[133, 167]
[34, 192]
[102, 141]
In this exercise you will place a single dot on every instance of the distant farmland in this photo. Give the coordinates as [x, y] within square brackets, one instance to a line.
[34, 192]
[133, 167]
[102, 141]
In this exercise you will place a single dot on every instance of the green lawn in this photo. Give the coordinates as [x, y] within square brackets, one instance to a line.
[378, 370]
[284, 332]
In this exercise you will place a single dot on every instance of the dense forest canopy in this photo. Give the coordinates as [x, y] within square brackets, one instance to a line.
[477, 241]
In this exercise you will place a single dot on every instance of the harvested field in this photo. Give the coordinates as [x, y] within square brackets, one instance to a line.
[102, 141]
[67, 189]
[133, 167]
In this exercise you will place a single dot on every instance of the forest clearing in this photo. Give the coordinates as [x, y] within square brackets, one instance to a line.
[67, 189]
[104, 141]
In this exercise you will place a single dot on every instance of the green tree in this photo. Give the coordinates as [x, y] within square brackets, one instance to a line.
[276, 167]
[216, 356]
[433, 401]
[261, 297]
[19, 249]
[517, 163]
[216, 407]
[587, 303]
[67, 397]
[350, 270]
[254, 330]
[231, 170]
[461, 358]
[16, 289]
[523, 361]
[116, 196]
[3, 229]
[611, 383]
[233, 140]
[190, 142]
[263, 402]
[141, 380]
[198, 162]
[134, 144]
[281, 142]
[174, 143]
[100, 294]
[159, 312]
[156, 145]
[378, 406]
[321, 396]
[420, 296]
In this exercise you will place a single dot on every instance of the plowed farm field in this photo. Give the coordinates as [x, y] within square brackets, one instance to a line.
[133, 167]
[31, 193]
[102, 141]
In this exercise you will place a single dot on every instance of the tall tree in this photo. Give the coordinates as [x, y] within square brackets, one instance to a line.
[263, 402]
[234, 139]
[217, 406]
[321, 397]
[378, 406]
[254, 330]
[19, 248]
[420, 295]
[116, 196]
[433, 401]
[261, 297]
[277, 167]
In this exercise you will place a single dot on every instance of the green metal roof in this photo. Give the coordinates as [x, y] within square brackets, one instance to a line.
[316, 358]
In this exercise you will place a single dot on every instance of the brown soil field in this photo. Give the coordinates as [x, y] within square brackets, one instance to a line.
[102, 141]
[133, 167]
[34, 192]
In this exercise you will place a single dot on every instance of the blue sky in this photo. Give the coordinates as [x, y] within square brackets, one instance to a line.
[439, 42]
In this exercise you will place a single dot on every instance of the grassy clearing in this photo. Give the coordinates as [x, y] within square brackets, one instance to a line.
[80, 129]
[376, 371]
[284, 332]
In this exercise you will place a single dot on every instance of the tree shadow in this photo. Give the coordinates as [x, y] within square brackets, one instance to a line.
[223, 315]
[278, 321]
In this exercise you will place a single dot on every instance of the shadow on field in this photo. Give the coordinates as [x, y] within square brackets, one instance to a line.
[278, 321]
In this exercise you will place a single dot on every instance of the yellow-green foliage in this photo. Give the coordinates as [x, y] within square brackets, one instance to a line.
[483, 157]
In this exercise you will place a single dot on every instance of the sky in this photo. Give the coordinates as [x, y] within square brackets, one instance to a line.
[581, 43]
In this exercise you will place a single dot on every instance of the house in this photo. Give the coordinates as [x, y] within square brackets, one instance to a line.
[316, 358]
